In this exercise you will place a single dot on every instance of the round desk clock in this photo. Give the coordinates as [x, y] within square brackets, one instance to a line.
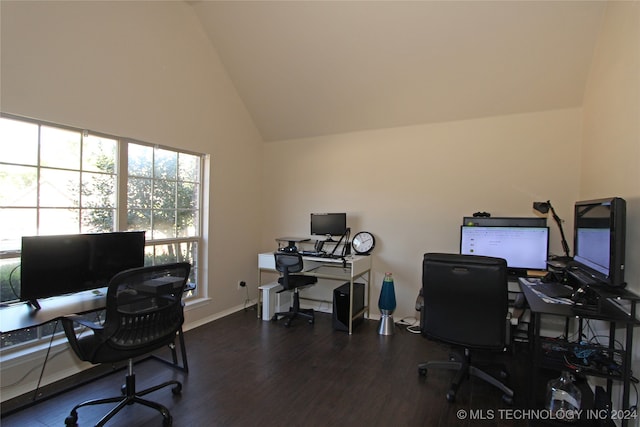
[363, 243]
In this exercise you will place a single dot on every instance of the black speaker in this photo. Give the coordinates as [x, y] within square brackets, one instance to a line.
[341, 306]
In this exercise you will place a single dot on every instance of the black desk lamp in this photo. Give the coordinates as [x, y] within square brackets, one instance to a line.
[543, 207]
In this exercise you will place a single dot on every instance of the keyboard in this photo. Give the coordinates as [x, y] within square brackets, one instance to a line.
[554, 290]
[312, 253]
[582, 277]
[319, 254]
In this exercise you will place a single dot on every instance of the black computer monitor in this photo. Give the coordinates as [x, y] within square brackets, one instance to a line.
[328, 224]
[524, 248]
[599, 239]
[63, 264]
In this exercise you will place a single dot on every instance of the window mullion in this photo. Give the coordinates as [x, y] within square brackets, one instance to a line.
[81, 176]
[122, 179]
[152, 202]
[38, 179]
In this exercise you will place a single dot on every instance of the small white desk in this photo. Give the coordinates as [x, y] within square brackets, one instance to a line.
[353, 267]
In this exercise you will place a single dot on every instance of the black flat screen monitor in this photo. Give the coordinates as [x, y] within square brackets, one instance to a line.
[524, 248]
[599, 239]
[63, 264]
[328, 224]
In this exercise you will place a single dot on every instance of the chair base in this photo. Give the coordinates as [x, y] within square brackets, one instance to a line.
[295, 311]
[464, 369]
[129, 396]
[290, 315]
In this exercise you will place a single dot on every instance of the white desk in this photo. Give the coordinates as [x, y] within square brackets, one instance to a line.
[352, 268]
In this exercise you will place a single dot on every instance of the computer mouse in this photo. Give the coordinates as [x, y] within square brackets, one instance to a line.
[549, 277]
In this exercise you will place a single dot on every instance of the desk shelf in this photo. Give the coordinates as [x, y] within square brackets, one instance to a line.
[598, 360]
[617, 307]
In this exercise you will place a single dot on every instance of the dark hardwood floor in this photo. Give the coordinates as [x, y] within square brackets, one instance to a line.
[247, 372]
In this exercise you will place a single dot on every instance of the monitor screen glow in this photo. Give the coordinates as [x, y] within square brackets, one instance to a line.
[593, 248]
[523, 248]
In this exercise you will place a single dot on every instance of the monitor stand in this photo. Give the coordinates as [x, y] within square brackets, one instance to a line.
[34, 303]
[291, 247]
[344, 237]
[291, 243]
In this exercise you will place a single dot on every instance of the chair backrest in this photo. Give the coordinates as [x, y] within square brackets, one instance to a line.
[144, 307]
[465, 300]
[287, 263]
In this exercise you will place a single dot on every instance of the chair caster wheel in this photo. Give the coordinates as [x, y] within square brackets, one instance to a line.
[504, 375]
[71, 420]
[287, 324]
[274, 318]
[507, 399]
[177, 389]
[422, 372]
[167, 422]
[451, 396]
[311, 321]
[123, 389]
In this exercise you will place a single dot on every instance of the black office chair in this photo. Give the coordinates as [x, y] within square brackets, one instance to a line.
[144, 312]
[466, 305]
[287, 263]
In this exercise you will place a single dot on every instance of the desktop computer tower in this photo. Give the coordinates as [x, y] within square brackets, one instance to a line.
[341, 306]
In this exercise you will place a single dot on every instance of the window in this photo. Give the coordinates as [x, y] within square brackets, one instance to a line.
[61, 180]
[163, 188]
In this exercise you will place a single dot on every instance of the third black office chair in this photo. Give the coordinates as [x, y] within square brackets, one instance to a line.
[288, 263]
[465, 305]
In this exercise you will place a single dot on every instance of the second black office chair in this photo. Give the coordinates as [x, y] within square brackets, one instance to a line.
[465, 305]
[288, 263]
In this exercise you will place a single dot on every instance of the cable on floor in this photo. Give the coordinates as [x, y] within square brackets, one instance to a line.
[411, 323]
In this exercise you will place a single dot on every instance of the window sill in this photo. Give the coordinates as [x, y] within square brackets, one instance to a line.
[195, 303]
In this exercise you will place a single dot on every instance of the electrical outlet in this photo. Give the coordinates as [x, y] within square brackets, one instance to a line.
[241, 284]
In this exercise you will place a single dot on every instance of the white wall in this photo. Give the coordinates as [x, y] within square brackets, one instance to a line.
[411, 186]
[143, 70]
[610, 161]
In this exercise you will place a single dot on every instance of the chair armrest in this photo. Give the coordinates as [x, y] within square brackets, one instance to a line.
[68, 323]
[81, 320]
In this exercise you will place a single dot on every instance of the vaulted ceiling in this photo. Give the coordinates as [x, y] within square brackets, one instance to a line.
[310, 68]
